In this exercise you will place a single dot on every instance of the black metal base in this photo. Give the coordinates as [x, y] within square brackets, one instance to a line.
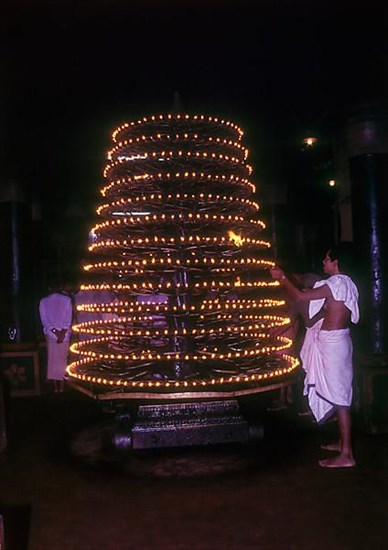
[183, 424]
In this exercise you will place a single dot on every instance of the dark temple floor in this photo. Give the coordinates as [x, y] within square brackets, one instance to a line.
[270, 496]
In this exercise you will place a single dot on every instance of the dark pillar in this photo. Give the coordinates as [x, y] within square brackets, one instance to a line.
[16, 315]
[368, 175]
[367, 137]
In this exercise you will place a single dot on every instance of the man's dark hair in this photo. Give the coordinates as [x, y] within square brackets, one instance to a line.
[344, 254]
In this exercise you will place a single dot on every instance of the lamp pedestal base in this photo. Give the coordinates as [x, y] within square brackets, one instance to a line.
[183, 424]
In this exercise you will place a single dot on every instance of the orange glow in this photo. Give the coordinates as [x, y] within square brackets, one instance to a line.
[310, 141]
[236, 238]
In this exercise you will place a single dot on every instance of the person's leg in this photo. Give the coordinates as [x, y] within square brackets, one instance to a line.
[345, 427]
[290, 394]
[58, 364]
[50, 348]
[280, 403]
[337, 446]
[345, 458]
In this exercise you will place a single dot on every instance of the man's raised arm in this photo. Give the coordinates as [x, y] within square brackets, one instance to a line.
[306, 295]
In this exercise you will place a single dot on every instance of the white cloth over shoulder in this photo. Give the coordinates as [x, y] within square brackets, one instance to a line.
[327, 359]
[344, 290]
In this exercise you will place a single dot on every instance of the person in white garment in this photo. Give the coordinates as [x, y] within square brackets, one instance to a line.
[56, 312]
[327, 352]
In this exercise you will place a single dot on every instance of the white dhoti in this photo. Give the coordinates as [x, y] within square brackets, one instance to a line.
[327, 359]
[56, 359]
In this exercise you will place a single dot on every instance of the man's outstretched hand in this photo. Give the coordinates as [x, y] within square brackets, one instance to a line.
[277, 273]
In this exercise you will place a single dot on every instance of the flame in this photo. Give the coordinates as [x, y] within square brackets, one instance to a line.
[238, 241]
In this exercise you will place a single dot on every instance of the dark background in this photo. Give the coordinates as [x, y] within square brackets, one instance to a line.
[72, 71]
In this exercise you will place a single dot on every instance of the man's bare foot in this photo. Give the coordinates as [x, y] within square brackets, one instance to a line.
[332, 447]
[338, 462]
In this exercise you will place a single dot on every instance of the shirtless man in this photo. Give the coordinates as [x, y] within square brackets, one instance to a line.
[327, 356]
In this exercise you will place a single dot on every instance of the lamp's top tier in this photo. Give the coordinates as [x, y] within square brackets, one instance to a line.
[178, 123]
[169, 145]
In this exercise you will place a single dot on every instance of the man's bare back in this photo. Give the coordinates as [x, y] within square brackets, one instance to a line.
[337, 315]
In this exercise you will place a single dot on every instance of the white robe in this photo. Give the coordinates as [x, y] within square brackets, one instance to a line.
[327, 355]
[56, 312]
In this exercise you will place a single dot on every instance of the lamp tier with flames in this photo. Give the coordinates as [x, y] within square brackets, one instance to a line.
[179, 249]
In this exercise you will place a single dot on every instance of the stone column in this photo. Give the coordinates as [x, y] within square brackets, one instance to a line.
[16, 241]
[366, 149]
